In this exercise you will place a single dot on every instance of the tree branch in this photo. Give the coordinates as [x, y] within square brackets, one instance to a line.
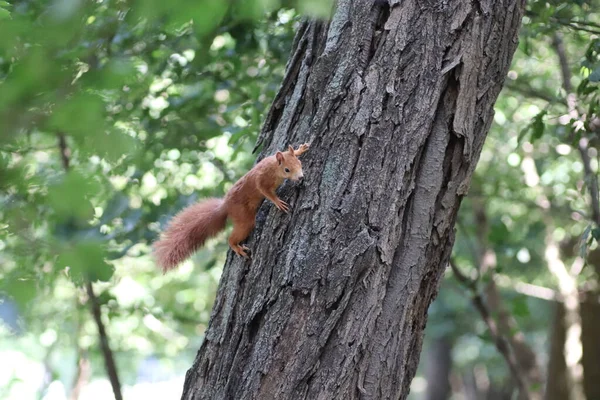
[574, 25]
[570, 21]
[526, 90]
[585, 25]
[501, 342]
[563, 61]
[507, 327]
[528, 289]
[591, 178]
[64, 151]
[111, 368]
[82, 376]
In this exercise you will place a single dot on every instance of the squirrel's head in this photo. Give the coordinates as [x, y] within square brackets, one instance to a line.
[289, 165]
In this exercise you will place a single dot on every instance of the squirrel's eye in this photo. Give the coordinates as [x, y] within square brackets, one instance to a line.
[287, 171]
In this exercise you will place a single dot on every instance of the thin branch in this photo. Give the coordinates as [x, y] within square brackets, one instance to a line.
[462, 278]
[582, 28]
[64, 151]
[48, 371]
[584, 23]
[471, 244]
[82, 376]
[565, 70]
[501, 342]
[111, 368]
[525, 357]
[526, 90]
[564, 21]
[576, 25]
[527, 289]
[591, 178]
[507, 325]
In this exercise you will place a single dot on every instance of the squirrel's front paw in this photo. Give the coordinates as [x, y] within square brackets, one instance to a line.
[283, 206]
[302, 149]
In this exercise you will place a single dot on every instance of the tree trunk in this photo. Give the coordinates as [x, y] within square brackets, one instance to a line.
[396, 101]
[557, 387]
[590, 333]
[556, 384]
[437, 369]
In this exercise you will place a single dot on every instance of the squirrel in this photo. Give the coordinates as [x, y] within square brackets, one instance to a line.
[191, 227]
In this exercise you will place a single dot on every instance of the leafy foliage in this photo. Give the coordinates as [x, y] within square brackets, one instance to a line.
[113, 116]
[531, 183]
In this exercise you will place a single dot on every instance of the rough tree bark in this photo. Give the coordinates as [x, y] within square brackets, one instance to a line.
[396, 100]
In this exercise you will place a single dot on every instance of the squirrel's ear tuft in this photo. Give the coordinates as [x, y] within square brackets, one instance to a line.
[291, 150]
[279, 157]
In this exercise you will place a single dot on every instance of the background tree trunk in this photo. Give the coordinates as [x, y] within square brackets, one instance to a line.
[556, 382]
[556, 387]
[590, 333]
[396, 101]
[437, 369]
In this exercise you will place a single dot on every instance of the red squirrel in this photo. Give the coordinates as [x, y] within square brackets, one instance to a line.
[190, 228]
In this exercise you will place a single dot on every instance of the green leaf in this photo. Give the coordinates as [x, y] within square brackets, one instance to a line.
[114, 74]
[110, 145]
[81, 116]
[29, 76]
[4, 14]
[105, 297]
[499, 232]
[85, 260]
[586, 233]
[596, 233]
[22, 290]
[522, 134]
[585, 88]
[595, 75]
[115, 207]
[584, 241]
[70, 197]
[254, 9]
[315, 8]
[538, 126]
[486, 337]
[588, 90]
[519, 307]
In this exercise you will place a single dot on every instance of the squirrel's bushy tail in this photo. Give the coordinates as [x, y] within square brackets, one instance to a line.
[188, 231]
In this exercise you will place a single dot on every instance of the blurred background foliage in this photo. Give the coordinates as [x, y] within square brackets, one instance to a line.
[115, 114]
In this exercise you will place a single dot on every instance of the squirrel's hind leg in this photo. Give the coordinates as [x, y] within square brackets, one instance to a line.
[241, 230]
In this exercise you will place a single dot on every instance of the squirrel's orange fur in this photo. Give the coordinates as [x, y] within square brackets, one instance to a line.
[189, 229]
